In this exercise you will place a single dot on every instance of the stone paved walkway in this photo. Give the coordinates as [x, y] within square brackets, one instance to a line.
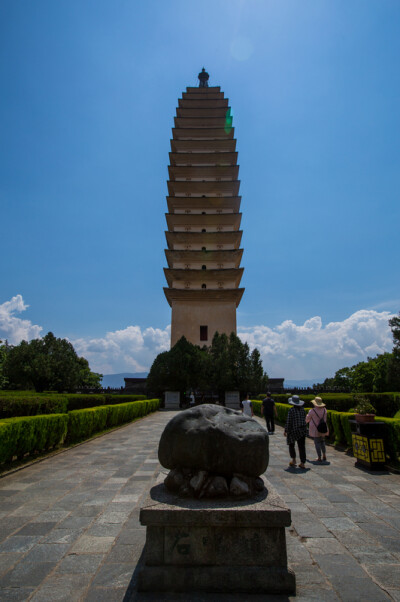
[70, 527]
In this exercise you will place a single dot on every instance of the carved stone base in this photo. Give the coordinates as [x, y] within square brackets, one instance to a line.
[215, 546]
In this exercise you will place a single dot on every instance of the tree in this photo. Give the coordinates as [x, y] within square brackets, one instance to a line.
[3, 354]
[394, 364]
[226, 365]
[48, 364]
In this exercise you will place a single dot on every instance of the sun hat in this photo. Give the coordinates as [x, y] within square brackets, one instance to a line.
[317, 402]
[296, 401]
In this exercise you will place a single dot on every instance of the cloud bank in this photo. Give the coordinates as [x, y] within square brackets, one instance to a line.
[14, 329]
[308, 351]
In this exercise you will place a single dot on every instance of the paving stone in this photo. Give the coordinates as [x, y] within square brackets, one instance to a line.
[18, 544]
[35, 528]
[30, 574]
[47, 552]
[114, 575]
[16, 594]
[92, 545]
[7, 561]
[62, 588]
[103, 594]
[78, 564]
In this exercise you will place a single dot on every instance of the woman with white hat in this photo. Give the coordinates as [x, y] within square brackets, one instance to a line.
[318, 428]
[296, 430]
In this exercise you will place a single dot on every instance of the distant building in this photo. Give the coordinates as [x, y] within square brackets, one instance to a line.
[203, 218]
[275, 385]
[135, 385]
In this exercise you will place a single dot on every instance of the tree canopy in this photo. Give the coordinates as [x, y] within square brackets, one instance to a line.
[378, 374]
[227, 365]
[47, 364]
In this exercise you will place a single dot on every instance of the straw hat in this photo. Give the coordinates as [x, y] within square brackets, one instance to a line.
[318, 403]
[296, 401]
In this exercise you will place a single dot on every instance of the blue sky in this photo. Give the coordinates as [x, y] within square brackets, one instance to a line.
[89, 92]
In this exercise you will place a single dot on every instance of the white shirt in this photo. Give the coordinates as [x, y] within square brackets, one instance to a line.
[246, 404]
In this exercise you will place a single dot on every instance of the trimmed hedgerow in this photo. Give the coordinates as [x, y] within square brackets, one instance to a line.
[31, 405]
[78, 401]
[82, 424]
[25, 435]
[386, 404]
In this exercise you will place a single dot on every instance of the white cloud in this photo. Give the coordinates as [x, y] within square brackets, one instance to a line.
[129, 350]
[15, 329]
[311, 350]
[306, 351]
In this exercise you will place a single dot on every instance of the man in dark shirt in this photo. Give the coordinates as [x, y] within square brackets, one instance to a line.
[268, 410]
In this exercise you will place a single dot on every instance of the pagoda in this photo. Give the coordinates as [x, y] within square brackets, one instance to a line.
[203, 218]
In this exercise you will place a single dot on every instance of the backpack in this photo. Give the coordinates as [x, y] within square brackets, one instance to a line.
[322, 427]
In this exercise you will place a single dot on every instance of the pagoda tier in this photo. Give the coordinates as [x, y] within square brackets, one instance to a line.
[204, 296]
[203, 222]
[197, 241]
[198, 133]
[221, 204]
[202, 159]
[202, 103]
[203, 278]
[203, 173]
[210, 145]
[203, 219]
[210, 188]
[214, 259]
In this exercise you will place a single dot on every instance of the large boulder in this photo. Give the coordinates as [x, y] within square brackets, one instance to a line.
[215, 439]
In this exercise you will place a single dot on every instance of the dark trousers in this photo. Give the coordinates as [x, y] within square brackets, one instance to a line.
[269, 421]
[301, 444]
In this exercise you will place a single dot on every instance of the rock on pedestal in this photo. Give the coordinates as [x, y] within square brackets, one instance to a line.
[215, 545]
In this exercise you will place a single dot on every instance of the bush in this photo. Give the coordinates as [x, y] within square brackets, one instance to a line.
[31, 405]
[80, 401]
[386, 404]
[82, 424]
[26, 435]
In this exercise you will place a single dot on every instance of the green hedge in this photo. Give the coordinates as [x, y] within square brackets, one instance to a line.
[25, 435]
[339, 427]
[77, 401]
[27, 403]
[32, 405]
[84, 423]
[386, 404]
[20, 436]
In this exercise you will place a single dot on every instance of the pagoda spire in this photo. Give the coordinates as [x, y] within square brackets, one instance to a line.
[203, 78]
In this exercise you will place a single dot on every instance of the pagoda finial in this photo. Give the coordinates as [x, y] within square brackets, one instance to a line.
[203, 77]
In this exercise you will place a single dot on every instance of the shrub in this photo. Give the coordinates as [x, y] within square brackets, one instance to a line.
[25, 435]
[31, 405]
[112, 399]
[82, 424]
[77, 401]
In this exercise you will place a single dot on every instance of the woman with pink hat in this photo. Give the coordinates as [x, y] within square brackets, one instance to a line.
[318, 428]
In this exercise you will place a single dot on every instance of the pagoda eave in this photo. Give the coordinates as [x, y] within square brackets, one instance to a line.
[204, 238]
[204, 295]
[216, 203]
[228, 256]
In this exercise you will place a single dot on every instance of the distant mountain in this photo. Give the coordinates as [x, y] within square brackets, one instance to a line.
[302, 383]
[116, 381]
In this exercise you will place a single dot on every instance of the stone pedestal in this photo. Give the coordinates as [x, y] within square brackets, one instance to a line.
[215, 546]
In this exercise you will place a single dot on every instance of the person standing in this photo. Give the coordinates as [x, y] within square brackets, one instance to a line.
[317, 421]
[296, 430]
[268, 410]
[247, 407]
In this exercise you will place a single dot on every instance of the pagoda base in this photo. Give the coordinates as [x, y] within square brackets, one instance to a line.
[189, 315]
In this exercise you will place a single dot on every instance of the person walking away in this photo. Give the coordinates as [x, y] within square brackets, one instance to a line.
[247, 407]
[268, 410]
[318, 427]
[296, 430]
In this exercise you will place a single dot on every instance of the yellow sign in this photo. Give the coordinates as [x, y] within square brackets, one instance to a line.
[360, 448]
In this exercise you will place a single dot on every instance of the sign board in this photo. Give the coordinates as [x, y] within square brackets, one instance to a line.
[232, 400]
[172, 399]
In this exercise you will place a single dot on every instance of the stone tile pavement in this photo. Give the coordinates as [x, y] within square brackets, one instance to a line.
[70, 531]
